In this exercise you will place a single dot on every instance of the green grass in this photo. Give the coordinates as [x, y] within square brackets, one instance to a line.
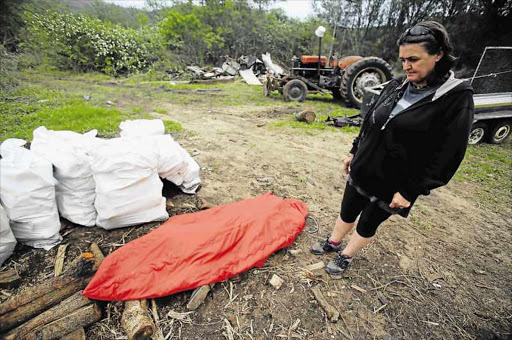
[490, 168]
[71, 115]
[45, 100]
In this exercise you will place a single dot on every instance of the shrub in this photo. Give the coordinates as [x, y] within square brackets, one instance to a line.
[82, 43]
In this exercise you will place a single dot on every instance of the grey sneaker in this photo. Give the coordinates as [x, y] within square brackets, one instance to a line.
[323, 247]
[337, 267]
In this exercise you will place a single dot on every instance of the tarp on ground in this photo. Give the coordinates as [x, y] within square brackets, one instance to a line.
[195, 249]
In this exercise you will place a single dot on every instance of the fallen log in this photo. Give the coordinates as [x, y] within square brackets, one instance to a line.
[332, 313]
[22, 308]
[136, 322]
[82, 317]
[68, 306]
[306, 116]
[9, 278]
[77, 334]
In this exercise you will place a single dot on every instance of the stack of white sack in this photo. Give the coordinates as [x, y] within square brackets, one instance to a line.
[142, 127]
[68, 151]
[128, 189]
[175, 164]
[27, 192]
[7, 239]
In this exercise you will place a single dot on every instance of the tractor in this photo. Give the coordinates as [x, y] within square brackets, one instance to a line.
[344, 78]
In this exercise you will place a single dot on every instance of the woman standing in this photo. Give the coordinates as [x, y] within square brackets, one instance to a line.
[412, 140]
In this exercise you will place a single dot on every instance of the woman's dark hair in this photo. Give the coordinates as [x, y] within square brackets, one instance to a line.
[434, 37]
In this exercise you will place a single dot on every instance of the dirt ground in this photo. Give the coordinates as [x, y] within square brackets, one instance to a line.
[443, 273]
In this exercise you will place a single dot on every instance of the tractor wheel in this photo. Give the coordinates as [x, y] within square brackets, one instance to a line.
[295, 91]
[500, 132]
[367, 72]
[477, 134]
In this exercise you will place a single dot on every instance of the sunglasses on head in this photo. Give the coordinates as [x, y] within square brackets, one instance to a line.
[418, 30]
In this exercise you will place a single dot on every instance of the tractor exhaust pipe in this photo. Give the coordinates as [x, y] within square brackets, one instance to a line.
[320, 31]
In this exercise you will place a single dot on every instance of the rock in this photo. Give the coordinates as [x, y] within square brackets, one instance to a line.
[87, 96]
[276, 281]
[310, 180]
[268, 179]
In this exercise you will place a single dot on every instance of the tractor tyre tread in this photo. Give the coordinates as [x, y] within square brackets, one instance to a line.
[353, 69]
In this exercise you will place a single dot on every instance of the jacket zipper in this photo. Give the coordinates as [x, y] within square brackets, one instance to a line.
[403, 111]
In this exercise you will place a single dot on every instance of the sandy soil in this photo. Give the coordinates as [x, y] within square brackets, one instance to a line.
[443, 273]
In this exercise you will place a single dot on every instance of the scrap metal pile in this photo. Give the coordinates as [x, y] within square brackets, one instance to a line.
[250, 68]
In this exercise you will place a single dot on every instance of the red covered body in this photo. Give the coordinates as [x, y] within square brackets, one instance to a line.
[195, 249]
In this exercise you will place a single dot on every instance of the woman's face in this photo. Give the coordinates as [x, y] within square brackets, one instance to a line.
[417, 63]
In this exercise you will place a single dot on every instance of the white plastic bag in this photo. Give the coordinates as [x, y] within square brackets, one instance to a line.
[7, 239]
[27, 192]
[142, 127]
[128, 189]
[75, 188]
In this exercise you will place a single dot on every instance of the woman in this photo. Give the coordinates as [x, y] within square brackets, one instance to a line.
[412, 140]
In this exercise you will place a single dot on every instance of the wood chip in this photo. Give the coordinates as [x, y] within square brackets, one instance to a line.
[59, 261]
[276, 281]
[315, 266]
[359, 289]
[198, 296]
[295, 252]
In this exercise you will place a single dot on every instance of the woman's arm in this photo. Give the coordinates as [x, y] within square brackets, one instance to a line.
[449, 151]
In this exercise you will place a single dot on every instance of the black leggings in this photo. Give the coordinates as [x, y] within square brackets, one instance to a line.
[353, 204]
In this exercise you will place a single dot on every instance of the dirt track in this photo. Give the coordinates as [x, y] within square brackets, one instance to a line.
[443, 273]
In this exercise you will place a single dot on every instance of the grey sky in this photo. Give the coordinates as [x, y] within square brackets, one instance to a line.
[299, 9]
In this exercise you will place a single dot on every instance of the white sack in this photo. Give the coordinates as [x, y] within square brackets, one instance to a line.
[27, 192]
[75, 188]
[142, 127]
[7, 240]
[176, 165]
[128, 189]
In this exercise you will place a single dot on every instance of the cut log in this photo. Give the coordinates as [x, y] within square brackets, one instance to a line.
[332, 313]
[77, 334]
[59, 291]
[9, 279]
[80, 318]
[59, 261]
[66, 307]
[306, 116]
[136, 322]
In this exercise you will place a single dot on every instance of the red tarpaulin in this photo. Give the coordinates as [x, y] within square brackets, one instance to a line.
[192, 250]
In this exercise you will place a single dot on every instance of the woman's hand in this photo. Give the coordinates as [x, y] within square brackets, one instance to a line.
[399, 201]
[346, 164]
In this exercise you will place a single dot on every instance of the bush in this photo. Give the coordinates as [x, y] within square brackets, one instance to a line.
[83, 44]
[8, 64]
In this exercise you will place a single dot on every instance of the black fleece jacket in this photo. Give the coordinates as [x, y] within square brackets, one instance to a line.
[419, 149]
